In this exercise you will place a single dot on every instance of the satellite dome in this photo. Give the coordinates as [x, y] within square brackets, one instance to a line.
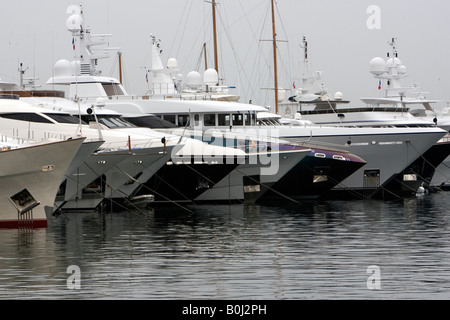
[74, 23]
[338, 96]
[62, 68]
[402, 69]
[210, 77]
[172, 63]
[393, 62]
[194, 79]
[73, 9]
[75, 67]
[377, 66]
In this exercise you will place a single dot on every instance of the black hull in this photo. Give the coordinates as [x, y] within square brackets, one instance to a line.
[422, 170]
[184, 182]
[299, 183]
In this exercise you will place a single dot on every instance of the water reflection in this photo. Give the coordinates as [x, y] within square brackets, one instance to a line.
[241, 251]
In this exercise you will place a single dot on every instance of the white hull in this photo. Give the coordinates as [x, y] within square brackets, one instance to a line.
[39, 169]
[118, 170]
[388, 150]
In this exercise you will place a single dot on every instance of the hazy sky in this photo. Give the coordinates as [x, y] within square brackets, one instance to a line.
[343, 36]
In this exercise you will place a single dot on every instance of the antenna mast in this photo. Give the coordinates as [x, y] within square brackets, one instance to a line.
[215, 36]
[275, 71]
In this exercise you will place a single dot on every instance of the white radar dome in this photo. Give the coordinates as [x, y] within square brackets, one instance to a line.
[73, 9]
[338, 96]
[75, 67]
[393, 62]
[74, 23]
[377, 66]
[62, 68]
[172, 63]
[210, 77]
[194, 79]
[402, 69]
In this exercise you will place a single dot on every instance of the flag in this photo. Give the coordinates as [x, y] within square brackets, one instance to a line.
[73, 43]
[379, 85]
[293, 85]
[146, 76]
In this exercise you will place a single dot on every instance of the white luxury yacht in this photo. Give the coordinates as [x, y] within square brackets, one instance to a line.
[394, 108]
[31, 173]
[386, 151]
[265, 166]
[211, 177]
[120, 162]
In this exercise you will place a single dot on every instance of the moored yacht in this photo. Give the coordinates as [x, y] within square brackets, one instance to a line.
[126, 156]
[31, 173]
[220, 122]
[313, 103]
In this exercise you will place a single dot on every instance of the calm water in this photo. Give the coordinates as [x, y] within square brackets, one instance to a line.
[281, 251]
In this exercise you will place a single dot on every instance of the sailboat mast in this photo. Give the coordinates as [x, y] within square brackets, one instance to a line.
[275, 71]
[120, 66]
[204, 53]
[215, 36]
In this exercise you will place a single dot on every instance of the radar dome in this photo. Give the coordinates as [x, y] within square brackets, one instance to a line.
[393, 62]
[402, 69]
[172, 63]
[338, 96]
[75, 67]
[210, 77]
[194, 79]
[62, 68]
[377, 66]
[73, 9]
[74, 23]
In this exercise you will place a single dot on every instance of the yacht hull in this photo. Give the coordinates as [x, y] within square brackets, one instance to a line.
[39, 169]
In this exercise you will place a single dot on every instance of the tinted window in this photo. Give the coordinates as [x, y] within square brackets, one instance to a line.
[170, 118]
[65, 118]
[183, 120]
[32, 117]
[238, 119]
[112, 89]
[150, 122]
[209, 119]
[224, 120]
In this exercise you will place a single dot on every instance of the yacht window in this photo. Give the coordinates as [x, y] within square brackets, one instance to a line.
[32, 117]
[196, 120]
[65, 118]
[183, 120]
[253, 118]
[150, 122]
[114, 122]
[170, 118]
[113, 89]
[247, 119]
[238, 119]
[224, 120]
[209, 120]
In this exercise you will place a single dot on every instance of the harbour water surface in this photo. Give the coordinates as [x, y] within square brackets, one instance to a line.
[367, 249]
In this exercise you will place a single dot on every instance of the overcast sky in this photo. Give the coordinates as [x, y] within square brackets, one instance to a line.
[343, 36]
